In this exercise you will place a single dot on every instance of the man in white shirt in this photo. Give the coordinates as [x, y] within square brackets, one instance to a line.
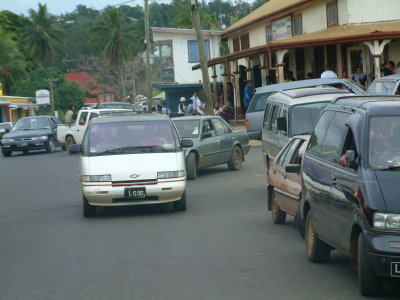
[201, 107]
[328, 72]
[194, 102]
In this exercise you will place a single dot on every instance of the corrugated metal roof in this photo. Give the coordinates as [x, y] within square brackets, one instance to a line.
[339, 33]
[267, 9]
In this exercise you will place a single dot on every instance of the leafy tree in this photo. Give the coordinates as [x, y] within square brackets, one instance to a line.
[12, 63]
[65, 92]
[258, 3]
[43, 34]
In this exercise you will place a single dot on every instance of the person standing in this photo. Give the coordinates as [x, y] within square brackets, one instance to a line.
[328, 72]
[182, 108]
[345, 74]
[359, 76]
[189, 110]
[165, 110]
[201, 107]
[69, 116]
[248, 94]
[194, 98]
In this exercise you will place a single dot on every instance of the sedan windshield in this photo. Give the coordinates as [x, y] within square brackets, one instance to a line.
[384, 87]
[384, 143]
[31, 124]
[305, 117]
[187, 128]
[131, 137]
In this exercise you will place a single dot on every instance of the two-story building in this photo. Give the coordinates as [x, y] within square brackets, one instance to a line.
[304, 35]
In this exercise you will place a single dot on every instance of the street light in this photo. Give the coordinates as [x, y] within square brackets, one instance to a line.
[51, 82]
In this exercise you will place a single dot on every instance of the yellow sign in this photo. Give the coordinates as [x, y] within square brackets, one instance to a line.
[1, 89]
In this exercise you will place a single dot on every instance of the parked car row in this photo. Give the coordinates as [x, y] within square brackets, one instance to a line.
[342, 182]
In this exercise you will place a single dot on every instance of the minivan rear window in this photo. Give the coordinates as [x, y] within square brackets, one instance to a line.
[305, 117]
[258, 103]
[384, 87]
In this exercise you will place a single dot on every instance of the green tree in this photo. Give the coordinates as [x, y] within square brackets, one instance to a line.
[115, 36]
[43, 34]
[12, 63]
[65, 92]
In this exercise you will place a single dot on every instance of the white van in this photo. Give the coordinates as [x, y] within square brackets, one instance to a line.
[131, 160]
[292, 112]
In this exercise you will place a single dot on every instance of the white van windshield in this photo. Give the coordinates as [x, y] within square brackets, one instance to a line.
[305, 117]
[384, 143]
[132, 137]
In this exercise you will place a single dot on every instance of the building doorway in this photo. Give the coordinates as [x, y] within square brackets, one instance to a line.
[356, 57]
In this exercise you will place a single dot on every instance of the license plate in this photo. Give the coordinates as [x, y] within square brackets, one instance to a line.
[22, 144]
[135, 193]
[395, 269]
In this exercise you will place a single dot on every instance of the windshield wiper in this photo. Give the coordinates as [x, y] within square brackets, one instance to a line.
[391, 168]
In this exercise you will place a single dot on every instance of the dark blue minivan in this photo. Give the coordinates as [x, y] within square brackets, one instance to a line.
[351, 187]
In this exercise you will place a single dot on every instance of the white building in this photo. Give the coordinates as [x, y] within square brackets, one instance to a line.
[176, 52]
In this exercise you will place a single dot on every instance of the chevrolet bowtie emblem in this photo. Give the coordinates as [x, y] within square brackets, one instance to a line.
[134, 176]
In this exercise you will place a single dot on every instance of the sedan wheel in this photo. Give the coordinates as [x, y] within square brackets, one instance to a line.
[235, 163]
[191, 166]
[50, 146]
[180, 205]
[6, 153]
[317, 251]
[88, 210]
[278, 216]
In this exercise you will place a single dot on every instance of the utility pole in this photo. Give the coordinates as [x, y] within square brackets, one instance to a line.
[51, 82]
[202, 55]
[147, 43]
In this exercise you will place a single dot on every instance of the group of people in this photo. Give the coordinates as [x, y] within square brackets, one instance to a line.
[193, 106]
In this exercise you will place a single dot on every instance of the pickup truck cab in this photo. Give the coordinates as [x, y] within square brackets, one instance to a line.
[73, 134]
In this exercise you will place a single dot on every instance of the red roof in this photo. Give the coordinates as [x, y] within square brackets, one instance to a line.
[91, 100]
[87, 82]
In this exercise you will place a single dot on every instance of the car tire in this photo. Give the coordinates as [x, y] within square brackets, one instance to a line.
[369, 283]
[235, 163]
[50, 146]
[191, 166]
[180, 205]
[6, 153]
[299, 223]
[69, 141]
[317, 251]
[278, 216]
[63, 147]
[88, 210]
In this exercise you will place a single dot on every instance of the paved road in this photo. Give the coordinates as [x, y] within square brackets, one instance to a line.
[224, 247]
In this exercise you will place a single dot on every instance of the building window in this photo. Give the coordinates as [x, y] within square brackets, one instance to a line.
[236, 44]
[297, 25]
[268, 32]
[244, 41]
[332, 13]
[193, 50]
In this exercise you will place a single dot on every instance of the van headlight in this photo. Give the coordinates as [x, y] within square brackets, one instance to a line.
[7, 140]
[387, 221]
[43, 137]
[96, 178]
[171, 174]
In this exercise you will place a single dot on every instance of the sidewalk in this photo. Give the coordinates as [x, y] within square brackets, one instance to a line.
[239, 126]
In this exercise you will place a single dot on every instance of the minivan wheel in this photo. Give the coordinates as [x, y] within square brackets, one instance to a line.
[278, 216]
[235, 163]
[50, 146]
[88, 210]
[180, 205]
[6, 153]
[299, 223]
[69, 141]
[317, 251]
[191, 166]
[369, 283]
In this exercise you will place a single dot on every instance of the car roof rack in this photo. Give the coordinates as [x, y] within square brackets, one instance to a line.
[366, 98]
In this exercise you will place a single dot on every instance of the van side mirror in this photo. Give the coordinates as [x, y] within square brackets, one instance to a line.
[295, 168]
[186, 143]
[281, 124]
[350, 155]
[75, 148]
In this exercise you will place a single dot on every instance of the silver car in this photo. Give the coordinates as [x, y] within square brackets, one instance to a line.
[255, 112]
[214, 143]
[388, 85]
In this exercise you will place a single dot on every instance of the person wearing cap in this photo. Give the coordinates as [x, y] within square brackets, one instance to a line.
[182, 108]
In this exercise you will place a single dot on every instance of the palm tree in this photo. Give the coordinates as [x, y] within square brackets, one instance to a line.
[115, 36]
[42, 34]
[12, 63]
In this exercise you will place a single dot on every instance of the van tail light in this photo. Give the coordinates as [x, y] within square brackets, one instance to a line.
[246, 123]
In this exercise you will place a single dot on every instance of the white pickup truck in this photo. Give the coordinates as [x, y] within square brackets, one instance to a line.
[73, 134]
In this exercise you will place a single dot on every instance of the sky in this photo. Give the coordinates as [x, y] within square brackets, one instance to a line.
[57, 7]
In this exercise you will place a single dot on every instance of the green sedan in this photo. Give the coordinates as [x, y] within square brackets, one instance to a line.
[214, 143]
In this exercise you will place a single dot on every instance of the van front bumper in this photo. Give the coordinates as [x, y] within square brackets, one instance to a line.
[107, 194]
[384, 254]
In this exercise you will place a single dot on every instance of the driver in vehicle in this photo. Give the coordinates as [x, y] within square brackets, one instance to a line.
[381, 143]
